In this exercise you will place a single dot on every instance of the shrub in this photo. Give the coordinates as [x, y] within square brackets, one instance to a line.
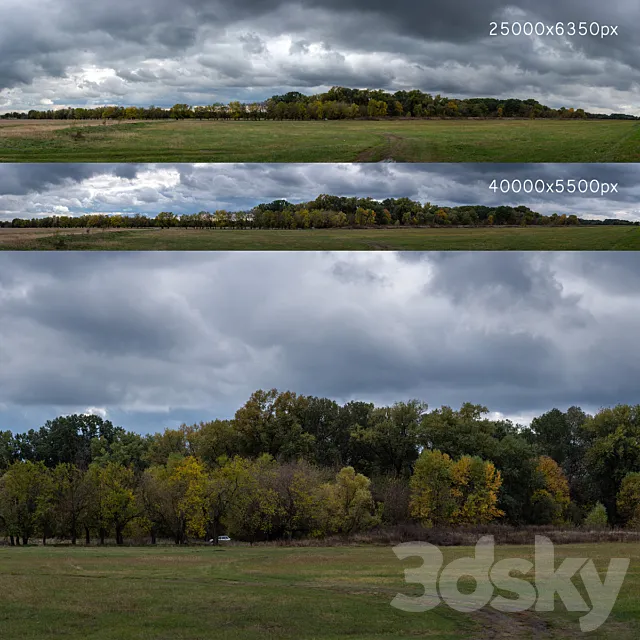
[597, 517]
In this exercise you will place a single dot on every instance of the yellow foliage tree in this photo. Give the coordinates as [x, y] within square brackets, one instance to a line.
[188, 481]
[255, 507]
[431, 499]
[347, 504]
[475, 491]
[628, 500]
[555, 492]
[444, 492]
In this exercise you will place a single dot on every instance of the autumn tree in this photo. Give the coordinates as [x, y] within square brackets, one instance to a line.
[475, 486]
[347, 503]
[298, 486]
[432, 501]
[550, 502]
[444, 492]
[365, 217]
[468, 431]
[628, 501]
[173, 498]
[253, 510]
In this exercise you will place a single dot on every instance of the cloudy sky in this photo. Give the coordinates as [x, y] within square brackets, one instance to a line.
[73, 52]
[151, 340]
[32, 190]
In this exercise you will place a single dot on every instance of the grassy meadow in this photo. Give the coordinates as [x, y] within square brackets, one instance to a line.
[614, 238]
[321, 141]
[253, 593]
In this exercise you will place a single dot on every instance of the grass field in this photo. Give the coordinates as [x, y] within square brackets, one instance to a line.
[240, 593]
[488, 239]
[311, 141]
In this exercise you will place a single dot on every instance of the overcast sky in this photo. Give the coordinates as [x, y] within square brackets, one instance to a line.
[151, 340]
[77, 53]
[32, 190]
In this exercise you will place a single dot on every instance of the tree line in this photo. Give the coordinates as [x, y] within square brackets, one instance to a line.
[291, 466]
[338, 103]
[326, 211]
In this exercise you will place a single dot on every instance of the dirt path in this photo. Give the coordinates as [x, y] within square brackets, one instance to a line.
[501, 626]
[391, 142]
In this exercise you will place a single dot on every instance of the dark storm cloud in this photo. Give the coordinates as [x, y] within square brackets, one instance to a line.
[20, 179]
[160, 51]
[500, 281]
[190, 337]
[34, 190]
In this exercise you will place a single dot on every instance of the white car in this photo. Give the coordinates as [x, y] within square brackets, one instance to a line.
[224, 539]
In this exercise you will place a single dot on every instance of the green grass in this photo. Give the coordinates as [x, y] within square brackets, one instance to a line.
[240, 593]
[621, 238]
[331, 141]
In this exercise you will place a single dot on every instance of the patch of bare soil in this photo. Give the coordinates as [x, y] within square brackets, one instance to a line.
[497, 625]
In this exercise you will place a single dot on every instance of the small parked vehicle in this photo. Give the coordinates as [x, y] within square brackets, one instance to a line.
[224, 539]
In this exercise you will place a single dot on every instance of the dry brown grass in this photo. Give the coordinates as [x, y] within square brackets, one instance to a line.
[42, 128]
[24, 236]
[467, 536]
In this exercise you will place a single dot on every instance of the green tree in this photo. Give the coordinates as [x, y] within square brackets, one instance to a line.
[112, 499]
[71, 499]
[392, 436]
[213, 440]
[166, 219]
[24, 491]
[613, 451]
[255, 508]
[8, 450]
[597, 517]
[181, 111]
[162, 446]
[270, 422]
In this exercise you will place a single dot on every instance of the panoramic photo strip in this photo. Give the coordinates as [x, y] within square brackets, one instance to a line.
[319, 206]
[284, 81]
